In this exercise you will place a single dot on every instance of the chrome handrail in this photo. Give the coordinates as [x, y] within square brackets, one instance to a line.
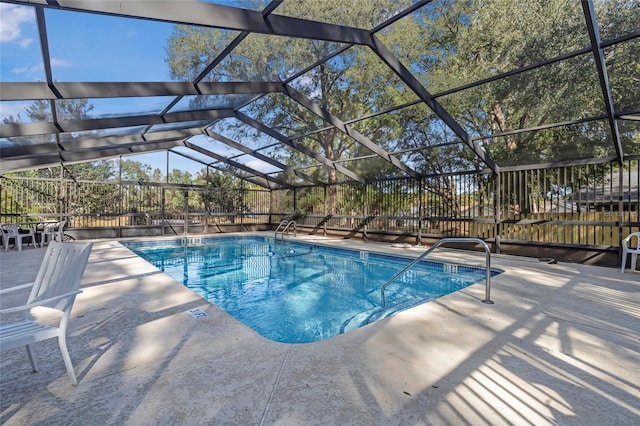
[282, 222]
[436, 245]
[286, 228]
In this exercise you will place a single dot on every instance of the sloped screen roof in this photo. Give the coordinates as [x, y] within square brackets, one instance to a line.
[289, 93]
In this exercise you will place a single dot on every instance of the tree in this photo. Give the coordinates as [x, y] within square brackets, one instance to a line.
[463, 42]
[135, 171]
[460, 42]
[223, 193]
[63, 196]
[179, 176]
[340, 85]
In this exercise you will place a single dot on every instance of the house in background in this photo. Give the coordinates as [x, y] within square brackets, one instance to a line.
[606, 196]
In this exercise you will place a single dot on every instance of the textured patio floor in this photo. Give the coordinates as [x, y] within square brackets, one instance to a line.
[561, 345]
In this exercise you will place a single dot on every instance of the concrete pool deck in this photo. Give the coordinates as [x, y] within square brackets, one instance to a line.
[561, 345]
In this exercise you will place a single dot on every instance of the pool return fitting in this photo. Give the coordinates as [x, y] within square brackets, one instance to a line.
[487, 298]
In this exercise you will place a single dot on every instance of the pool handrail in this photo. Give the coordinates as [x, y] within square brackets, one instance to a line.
[438, 244]
[283, 222]
[286, 224]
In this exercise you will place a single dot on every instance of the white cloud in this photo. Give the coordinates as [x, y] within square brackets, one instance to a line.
[13, 108]
[28, 70]
[12, 18]
[59, 63]
[37, 70]
[25, 42]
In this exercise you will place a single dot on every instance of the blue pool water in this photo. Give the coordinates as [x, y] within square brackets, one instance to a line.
[296, 292]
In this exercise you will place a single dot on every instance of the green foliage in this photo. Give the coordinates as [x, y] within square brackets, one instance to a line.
[180, 176]
[334, 85]
[223, 193]
[309, 200]
[466, 41]
[95, 171]
[446, 44]
[135, 171]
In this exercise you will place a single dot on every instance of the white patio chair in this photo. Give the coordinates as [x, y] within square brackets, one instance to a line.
[628, 248]
[13, 232]
[52, 232]
[55, 287]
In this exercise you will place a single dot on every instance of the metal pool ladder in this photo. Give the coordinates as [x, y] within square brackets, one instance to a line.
[284, 228]
[438, 244]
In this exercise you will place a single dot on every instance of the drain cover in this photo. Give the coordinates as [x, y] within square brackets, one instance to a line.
[198, 313]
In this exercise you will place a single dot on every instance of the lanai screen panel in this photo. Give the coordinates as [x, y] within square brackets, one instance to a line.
[462, 42]
[21, 53]
[283, 114]
[517, 80]
[557, 92]
[583, 141]
[242, 133]
[181, 153]
[26, 112]
[354, 84]
[367, 14]
[214, 146]
[89, 47]
[416, 136]
[114, 131]
[372, 168]
[178, 125]
[122, 107]
[97, 137]
[261, 57]
[14, 141]
[630, 135]
[232, 154]
[257, 164]
[209, 102]
[624, 74]
[616, 18]
[256, 5]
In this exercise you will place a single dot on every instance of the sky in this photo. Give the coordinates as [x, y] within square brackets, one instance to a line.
[89, 48]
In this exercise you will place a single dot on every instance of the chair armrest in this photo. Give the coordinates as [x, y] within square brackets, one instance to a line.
[38, 303]
[16, 288]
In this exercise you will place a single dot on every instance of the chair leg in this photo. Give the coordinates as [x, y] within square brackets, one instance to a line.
[32, 360]
[62, 342]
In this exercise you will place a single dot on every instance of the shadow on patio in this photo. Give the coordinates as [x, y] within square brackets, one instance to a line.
[560, 346]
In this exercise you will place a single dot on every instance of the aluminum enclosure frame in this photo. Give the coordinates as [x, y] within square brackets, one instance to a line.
[247, 22]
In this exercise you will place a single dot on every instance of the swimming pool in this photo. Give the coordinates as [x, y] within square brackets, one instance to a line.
[296, 292]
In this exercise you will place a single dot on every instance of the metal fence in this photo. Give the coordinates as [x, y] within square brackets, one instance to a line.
[125, 204]
[580, 205]
[593, 205]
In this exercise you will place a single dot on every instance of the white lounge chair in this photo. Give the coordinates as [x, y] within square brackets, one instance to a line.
[628, 248]
[14, 232]
[56, 287]
[52, 232]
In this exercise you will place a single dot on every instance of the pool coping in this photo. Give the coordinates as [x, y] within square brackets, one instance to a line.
[560, 346]
[141, 245]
